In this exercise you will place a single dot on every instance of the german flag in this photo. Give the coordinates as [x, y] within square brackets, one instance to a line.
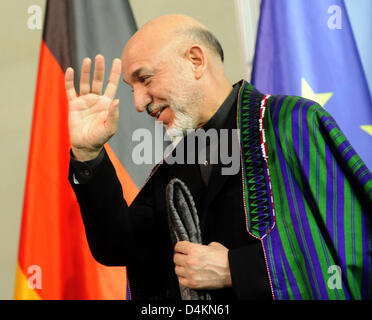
[54, 260]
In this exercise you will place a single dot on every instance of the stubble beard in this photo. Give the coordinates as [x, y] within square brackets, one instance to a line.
[185, 101]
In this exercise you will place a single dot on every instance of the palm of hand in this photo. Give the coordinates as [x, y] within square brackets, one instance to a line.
[88, 121]
[93, 117]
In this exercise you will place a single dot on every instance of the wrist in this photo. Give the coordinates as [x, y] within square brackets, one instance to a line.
[227, 278]
[83, 154]
[228, 281]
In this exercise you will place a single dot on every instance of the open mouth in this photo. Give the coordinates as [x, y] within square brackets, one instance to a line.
[157, 114]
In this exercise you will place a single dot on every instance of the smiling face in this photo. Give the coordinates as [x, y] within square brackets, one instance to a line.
[163, 80]
[184, 101]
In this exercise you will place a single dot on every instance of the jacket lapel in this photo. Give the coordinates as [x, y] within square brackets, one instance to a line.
[217, 179]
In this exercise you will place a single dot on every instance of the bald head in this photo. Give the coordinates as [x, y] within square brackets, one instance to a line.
[175, 62]
[185, 29]
[176, 29]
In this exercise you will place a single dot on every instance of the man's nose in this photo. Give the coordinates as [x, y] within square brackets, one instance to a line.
[141, 99]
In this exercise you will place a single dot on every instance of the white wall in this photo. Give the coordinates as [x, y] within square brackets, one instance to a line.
[18, 64]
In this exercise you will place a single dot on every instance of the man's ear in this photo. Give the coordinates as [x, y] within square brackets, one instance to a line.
[196, 55]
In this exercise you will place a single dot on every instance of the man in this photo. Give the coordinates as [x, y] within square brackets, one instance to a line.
[272, 230]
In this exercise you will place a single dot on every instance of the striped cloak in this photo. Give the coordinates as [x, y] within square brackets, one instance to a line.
[307, 197]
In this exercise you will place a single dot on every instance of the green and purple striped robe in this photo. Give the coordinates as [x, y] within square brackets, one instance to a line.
[307, 197]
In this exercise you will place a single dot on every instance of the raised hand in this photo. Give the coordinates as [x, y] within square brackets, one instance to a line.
[93, 117]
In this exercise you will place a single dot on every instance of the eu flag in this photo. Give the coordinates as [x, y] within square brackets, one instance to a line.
[307, 48]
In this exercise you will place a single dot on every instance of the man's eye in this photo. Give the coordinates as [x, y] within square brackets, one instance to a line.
[146, 80]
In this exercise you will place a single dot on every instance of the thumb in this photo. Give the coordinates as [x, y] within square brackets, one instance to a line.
[216, 245]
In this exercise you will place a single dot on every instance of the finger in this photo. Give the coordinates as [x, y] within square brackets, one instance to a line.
[85, 76]
[182, 247]
[113, 81]
[183, 281]
[113, 117]
[180, 271]
[99, 74]
[180, 259]
[69, 84]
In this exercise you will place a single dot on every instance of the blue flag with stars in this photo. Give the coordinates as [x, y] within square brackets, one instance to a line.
[307, 48]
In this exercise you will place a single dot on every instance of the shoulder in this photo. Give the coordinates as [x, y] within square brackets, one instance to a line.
[282, 113]
[284, 104]
[287, 111]
[278, 107]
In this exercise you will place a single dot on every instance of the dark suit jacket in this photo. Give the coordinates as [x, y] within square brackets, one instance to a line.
[138, 236]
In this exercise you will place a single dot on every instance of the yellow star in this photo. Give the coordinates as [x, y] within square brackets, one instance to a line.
[308, 93]
[367, 128]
